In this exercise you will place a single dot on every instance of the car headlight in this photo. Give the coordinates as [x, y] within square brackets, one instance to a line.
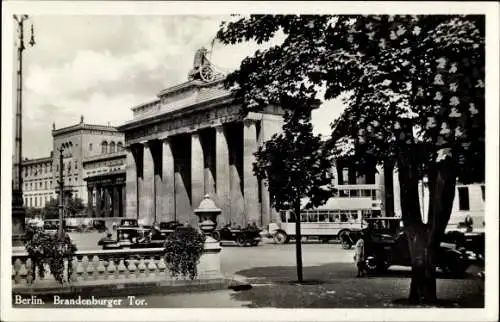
[125, 235]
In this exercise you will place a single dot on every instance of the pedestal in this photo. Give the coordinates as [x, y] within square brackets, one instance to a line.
[210, 264]
[18, 225]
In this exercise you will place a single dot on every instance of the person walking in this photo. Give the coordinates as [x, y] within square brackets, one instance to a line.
[359, 256]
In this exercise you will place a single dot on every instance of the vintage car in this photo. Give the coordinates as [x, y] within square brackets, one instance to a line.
[242, 236]
[129, 234]
[52, 225]
[99, 225]
[386, 244]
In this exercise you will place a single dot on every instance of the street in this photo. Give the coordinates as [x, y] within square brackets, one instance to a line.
[329, 274]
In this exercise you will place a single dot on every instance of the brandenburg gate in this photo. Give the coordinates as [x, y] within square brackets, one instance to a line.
[191, 141]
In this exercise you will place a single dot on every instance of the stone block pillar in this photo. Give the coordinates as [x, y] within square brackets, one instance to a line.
[116, 202]
[107, 203]
[131, 176]
[197, 170]
[270, 125]
[146, 193]
[222, 175]
[166, 196]
[98, 201]
[250, 182]
[90, 202]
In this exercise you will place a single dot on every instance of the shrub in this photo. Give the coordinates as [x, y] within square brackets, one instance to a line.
[43, 247]
[183, 249]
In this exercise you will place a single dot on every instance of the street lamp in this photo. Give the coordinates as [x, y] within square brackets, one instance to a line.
[18, 211]
[61, 191]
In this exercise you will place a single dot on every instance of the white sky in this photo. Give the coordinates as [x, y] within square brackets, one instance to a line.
[101, 66]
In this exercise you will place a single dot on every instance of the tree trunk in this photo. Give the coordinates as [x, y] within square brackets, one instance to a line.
[298, 241]
[424, 239]
[423, 262]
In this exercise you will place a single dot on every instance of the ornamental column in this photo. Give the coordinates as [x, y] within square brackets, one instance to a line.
[222, 175]
[197, 169]
[250, 182]
[166, 195]
[98, 201]
[116, 201]
[106, 201]
[146, 193]
[131, 183]
[90, 201]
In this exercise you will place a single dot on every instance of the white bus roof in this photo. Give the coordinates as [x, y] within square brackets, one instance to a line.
[352, 203]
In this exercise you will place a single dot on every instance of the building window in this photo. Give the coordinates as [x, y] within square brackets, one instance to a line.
[31, 186]
[112, 147]
[36, 201]
[463, 198]
[76, 165]
[104, 147]
[31, 202]
[483, 192]
[51, 184]
[90, 146]
[119, 146]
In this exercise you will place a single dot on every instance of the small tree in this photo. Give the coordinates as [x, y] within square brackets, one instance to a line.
[295, 166]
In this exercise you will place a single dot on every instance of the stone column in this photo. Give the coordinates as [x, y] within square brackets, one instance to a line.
[106, 201]
[270, 125]
[116, 202]
[131, 207]
[222, 175]
[146, 193]
[89, 202]
[237, 201]
[98, 201]
[166, 195]
[124, 200]
[250, 182]
[197, 165]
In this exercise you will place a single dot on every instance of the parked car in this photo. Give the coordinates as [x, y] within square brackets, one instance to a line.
[52, 225]
[386, 244]
[130, 235]
[99, 225]
[242, 236]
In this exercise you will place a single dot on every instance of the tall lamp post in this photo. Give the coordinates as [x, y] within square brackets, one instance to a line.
[60, 231]
[18, 211]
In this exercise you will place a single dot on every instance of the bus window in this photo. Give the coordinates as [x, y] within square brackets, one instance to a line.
[323, 217]
[343, 217]
[344, 193]
[354, 215]
[313, 217]
[303, 217]
[354, 193]
[367, 193]
[292, 217]
[331, 217]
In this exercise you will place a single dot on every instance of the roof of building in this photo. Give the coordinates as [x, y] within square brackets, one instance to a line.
[83, 126]
[36, 160]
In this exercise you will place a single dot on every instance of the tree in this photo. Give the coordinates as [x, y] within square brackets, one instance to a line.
[416, 86]
[73, 206]
[294, 166]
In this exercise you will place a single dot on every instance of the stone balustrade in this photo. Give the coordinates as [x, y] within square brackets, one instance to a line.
[111, 266]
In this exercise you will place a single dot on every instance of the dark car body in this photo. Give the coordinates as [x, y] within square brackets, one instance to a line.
[387, 245]
[130, 235]
[243, 237]
[99, 225]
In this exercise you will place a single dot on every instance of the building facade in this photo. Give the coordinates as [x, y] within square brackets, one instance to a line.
[105, 182]
[38, 182]
[192, 141]
[80, 142]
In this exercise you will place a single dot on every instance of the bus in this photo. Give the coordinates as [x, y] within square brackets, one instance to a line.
[342, 214]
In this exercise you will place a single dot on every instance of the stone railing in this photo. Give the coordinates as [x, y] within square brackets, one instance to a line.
[111, 266]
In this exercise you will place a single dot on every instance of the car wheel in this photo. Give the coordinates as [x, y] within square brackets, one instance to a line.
[346, 244]
[216, 235]
[280, 237]
[241, 241]
[254, 243]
